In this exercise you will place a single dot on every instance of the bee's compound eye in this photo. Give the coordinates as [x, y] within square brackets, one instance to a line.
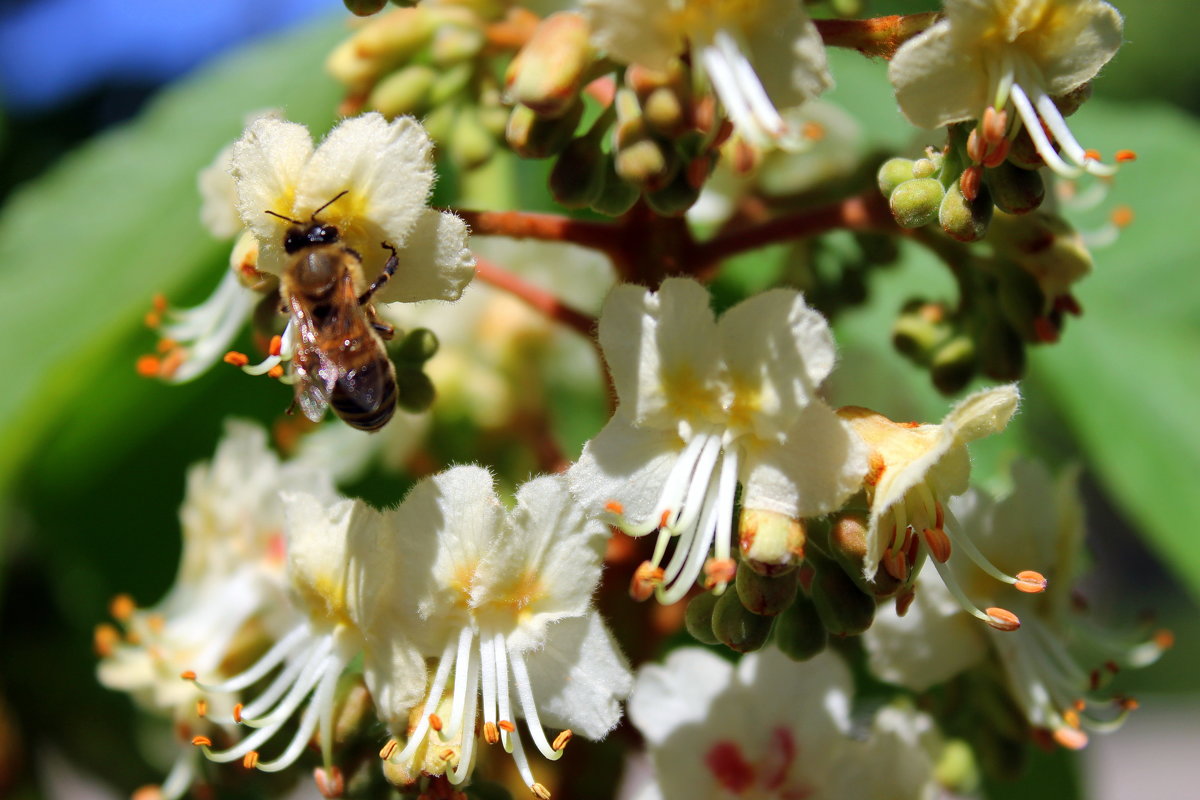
[326, 234]
[294, 241]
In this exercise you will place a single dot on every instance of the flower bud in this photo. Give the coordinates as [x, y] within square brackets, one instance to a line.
[953, 365]
[771, 543]
[439, 123]
[548, 72]
[364, 8]
[645, 162]
[577, 178]
[914, 203]
[956, 768]
[533, 136]
[966, 221]
[924, 168]
[414, 390]
[455, 44]
[892, 173]
[405, 91]
[616, 196]
[799, 633]
[418, 346]
[736, 628]
[380, 46]
[920, 328]
[451, 83]
[355, 711]
[844, 609]
[1046, 246]
[698, 618]
[1023, 152]
[765, 595]
[1015, 190]
[1001, 352]
[471, 145]
[674, 199]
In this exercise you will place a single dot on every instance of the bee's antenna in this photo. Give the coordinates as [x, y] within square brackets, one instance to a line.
[288, 219]
[336, 197]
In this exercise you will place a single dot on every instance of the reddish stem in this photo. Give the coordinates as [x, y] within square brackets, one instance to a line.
[544, 227]
[537, 297]
[880, 37]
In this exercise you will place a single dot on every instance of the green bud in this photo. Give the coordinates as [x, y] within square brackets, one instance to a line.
[771, 543]
[577, 178]
[616, 196]
[674, 199]
[414, 390]
[923, 168]
[532, 136]
[451, 83]
[1023, 153]
[698, 618]
[956, 768]
[963, 220]
[665, 112]
[892, 173]
[799, 633]
[417, 347]
[403, 92]
[364, 8]
[953, 365]
[920, 328]
[844, 609]
[549, 70]
[915, 202]
[736, 628]
[1001, 352]
[472, 144]
[455, 44]
[645, 162]
[494, 118]
[765, 595]
[439, 123]
[1015, 190]
[380, 46]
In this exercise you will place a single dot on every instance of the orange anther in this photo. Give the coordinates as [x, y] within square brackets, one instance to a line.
[1122, 216]
[506, 726]
[172, 362]
[662, 521]
[561, 740]
[152, 319]
[1164, 638]
[388, 749]
[539, 791]
[1079, 705]
[1071, 738]
[719, 571]
[159, 302]
[105, 640]
[490, 734]
[148, 792]
[236, 359]
[166, 345]
[1091, 155]
[330, 783]
[237, 712]
[976, 148]
[250, 760]
[1125, 155]
[896, 564]
[938, 543]
[969, 183]
[939, 515]
[613, 507]
[813, 131]
[1002, 619]
[121, 607]
[645, 578]
[188, 675]
[1044, 330]
[201, 741]
[904, 600]
[1127, 703]
[157, 623]
[148, 366]
[1071, 717]
[275, 372]
[435, 722]
[276, 345]
[1030, 582]
[201, 707]
[997, 155]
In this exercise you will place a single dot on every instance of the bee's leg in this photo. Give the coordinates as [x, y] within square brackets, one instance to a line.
[385, 330]
[389, 269]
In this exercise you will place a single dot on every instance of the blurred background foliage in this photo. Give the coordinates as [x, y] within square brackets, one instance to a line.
[99, 150]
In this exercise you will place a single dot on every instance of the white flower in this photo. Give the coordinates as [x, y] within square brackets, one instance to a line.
[914, 468]
[770, 728]
[703, 406]
[229, 596]
[502, 601]
[1002, 54]
[759, 55]
[1041, 523]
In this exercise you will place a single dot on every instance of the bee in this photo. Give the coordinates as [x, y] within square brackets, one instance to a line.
[340, 359]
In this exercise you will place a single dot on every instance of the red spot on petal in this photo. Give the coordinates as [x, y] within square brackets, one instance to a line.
[781, 752]
[729, 767]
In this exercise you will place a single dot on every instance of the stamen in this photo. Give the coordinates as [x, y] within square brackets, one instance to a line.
[719, 571]
[1124, 156]
[275, 372]
[201, 741]
[435, 722]
[1002, 619]
[237, 712]
[1041, 142]
[506, 726]
[330, 781]
[388, 749]
[666, 516]
[121, 607]
[970, 181]
[105, 640]
[1164, 638]
[813, 131]
[1122, 216]
[276, 345]
[201, 707]
[613, 507]
[250, 760]
[896, 564]
[1089, 160]
[938, 543]
[1094, 155]
[148, 366]
[529, 706]
[904, 601]
[645, 578]
[562, 739]
[436, 690]
[1045, 331]
[490, 734]
[1071, 738]
[188, 675]
[1030, 582]
[539, 791]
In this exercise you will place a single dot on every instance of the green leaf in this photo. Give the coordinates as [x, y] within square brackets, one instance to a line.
[1125, 376]
[86, 246]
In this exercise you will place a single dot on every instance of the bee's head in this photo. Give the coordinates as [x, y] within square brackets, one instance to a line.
[298, 238]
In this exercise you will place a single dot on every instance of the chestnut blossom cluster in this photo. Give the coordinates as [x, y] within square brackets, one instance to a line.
[465, 620]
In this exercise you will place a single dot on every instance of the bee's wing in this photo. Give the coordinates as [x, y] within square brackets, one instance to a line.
[316, 372]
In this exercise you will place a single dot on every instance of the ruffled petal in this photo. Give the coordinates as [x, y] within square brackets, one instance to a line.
[267, 164]
[1082, 38]
[937, 80]
[434, 263]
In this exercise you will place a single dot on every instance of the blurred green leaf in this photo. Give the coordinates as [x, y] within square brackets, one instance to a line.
[1126, 377]
[86, 246]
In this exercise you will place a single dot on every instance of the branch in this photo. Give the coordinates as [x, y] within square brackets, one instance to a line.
[880, 37]
[543, 227]
[537, 297]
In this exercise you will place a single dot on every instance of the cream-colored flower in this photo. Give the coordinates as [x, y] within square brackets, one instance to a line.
[1009, 54]
[759, 55]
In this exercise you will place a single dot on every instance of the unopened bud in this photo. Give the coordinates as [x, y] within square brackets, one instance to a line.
[548, 72]
[418, 346]
[799, 633]
[616, 195]
[920, 328]
[923, 168]
[765, 595]
[771, 543]
[414, 390]
[674, 199]
[354, 708]
[1015, 190]
[645, 162]
[450, 84]
[966, 221]
[533, 136]
[892, 173]
[364, 8]
[915, 202]
[403, 92]
[956, 768]
[1001, 352]
[1045, 246]
[455, 45]
[577, 178]
[665, 112]
[472, 145]
[736, 628]
[380, 46]
[953, 365]
[698, 618]
[844, 609]
[1023, 152]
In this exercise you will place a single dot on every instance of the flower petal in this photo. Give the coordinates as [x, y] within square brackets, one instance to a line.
[1082, 38]
[634, 31]
[434, 263]
[677, 694]
[267, 164]
[788, 38]
[937, 80]
[626, 462]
